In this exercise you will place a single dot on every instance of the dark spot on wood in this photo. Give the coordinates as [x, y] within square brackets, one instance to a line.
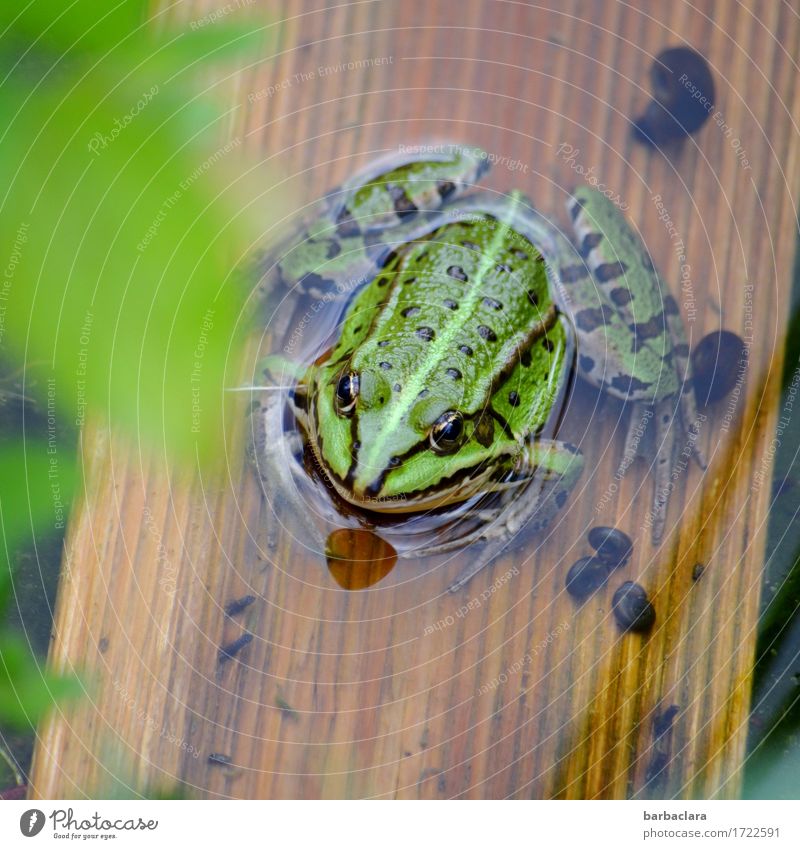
[573, 273]
[656, 773]
[632, 608]
[492, 303]
[593, 317]
[610, 271]
[681, 350]
[487, 333]
[621, 296]
[720, 361]
[232, 608]
[454, 373]
[590, 242]
[671, 306]
[613, 546]
[451, 305]
[513, 398]
[457, 273]
[219, 759]
[426, 333]
[232, 649]
[662, 723]
[102, 645]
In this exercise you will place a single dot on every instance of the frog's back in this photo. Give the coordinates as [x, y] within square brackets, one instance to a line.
[453, 316]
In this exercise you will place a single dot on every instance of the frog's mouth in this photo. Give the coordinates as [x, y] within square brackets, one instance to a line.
[460, 487]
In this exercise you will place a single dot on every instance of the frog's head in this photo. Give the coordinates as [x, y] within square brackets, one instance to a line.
[395, 449]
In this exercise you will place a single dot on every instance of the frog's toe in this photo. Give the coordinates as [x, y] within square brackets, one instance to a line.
[637, 430]
[665, 441]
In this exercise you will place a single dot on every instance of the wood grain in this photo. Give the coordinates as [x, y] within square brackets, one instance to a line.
[372, 693]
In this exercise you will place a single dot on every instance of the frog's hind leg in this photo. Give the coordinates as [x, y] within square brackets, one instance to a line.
[397, 189]
[547, 471]
[665, 450]
[680, 354]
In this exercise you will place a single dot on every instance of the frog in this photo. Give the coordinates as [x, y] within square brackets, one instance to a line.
[465, 314]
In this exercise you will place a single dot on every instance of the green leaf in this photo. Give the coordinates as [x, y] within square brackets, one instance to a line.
[124, 212]
[81, 28]
[27, 690]
[58, 24]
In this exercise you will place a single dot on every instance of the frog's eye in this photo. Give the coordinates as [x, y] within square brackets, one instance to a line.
[346, 394]
[446, 432]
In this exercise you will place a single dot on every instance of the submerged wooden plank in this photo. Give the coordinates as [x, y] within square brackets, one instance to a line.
[507, 689]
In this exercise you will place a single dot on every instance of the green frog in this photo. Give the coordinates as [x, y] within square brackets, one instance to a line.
[447, 372]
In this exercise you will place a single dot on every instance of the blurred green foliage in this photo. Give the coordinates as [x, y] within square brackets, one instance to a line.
[121, 212]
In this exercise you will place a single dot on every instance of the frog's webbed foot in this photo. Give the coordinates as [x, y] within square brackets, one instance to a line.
[545, 474]
[275, 455]
[691, 423]
[665, 450]
[680, 355]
